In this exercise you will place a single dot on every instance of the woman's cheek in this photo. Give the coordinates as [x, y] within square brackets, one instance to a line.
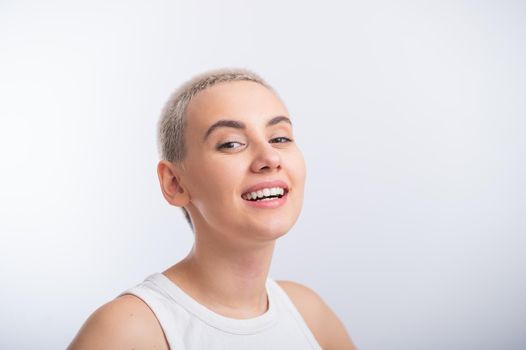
[298, 166]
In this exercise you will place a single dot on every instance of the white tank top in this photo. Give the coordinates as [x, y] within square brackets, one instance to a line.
[189, 325]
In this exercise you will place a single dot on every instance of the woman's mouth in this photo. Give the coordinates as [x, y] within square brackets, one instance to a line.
[269, 194]
[265, 194]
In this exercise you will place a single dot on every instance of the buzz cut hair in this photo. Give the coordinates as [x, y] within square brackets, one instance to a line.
[172, 122]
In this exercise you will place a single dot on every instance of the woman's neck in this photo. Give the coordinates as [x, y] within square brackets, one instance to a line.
[227, 280]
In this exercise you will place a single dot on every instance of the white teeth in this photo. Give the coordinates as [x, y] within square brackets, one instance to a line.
[264, 192]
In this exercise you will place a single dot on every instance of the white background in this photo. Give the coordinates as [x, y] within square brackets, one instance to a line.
[411, 116]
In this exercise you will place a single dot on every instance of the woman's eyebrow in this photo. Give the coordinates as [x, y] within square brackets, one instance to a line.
[224, 124]
[227, 123]
[278, 119]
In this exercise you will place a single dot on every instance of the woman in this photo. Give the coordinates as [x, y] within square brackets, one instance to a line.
[228, 158]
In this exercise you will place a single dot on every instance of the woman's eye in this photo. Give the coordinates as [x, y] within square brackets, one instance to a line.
[280, 140]
[230, 145]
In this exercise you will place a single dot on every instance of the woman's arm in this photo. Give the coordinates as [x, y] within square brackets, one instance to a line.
[322, 321]
[123, 323]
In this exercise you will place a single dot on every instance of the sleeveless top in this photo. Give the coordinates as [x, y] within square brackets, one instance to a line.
[188, 325]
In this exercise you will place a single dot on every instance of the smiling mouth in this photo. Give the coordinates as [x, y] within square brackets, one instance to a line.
[265, 194]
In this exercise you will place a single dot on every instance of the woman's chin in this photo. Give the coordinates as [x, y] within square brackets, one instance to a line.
[270, 229]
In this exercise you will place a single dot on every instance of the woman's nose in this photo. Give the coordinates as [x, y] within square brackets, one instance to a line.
[266, 159]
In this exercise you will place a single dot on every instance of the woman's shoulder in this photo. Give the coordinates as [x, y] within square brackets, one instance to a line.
[125, 322]
[328, 330]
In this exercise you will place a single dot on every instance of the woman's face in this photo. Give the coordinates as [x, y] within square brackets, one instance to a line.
[240, 144]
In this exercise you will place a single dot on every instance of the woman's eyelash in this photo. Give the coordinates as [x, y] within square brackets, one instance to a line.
[232, 144]
[229, 145]
[281, 139]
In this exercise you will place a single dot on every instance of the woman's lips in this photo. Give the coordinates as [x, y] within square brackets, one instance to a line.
[270, 203]
[267, 184]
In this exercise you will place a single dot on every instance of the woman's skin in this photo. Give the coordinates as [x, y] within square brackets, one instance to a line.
[238, 135]
[231, 256]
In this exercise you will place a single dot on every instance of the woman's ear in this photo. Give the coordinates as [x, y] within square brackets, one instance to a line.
[169, 179]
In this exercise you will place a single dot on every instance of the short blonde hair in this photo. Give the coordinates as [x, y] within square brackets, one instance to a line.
[172, 123]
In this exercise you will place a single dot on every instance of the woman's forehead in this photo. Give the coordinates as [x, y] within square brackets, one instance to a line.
[245, 101]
